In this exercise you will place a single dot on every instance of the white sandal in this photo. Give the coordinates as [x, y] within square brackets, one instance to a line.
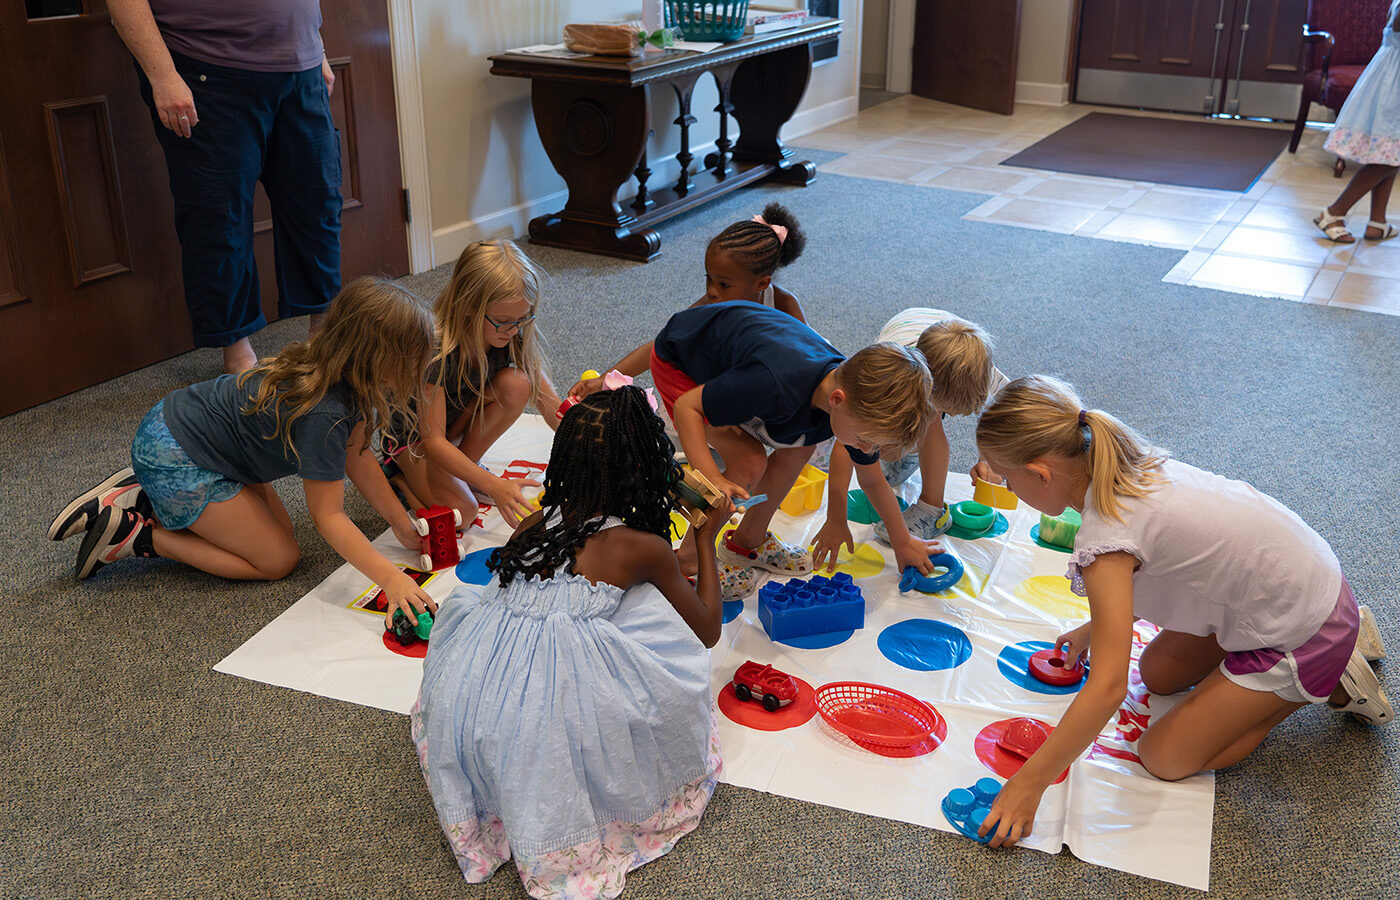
[1387, 231]
[1368, 638]
[1335, 227]
[1366, 699]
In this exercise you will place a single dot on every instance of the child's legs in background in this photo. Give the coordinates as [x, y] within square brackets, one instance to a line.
[778, 476]
[430, 484]
[506, 396]
[934, 455]
[248, 536]
[744, 462]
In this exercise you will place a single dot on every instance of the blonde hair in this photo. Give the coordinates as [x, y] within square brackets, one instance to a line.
[890, 391]
[487, 271]
[959, 358]
[1037, 415]
[377, 340]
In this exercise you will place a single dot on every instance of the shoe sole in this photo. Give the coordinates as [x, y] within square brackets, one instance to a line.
[1364, 689]
[728, 557]
[69, 522]
[98, 538]
[1369, 640]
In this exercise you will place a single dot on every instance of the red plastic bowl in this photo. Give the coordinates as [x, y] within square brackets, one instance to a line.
[876, 715]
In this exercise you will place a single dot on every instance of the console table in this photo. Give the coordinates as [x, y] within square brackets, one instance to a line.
[593, 114]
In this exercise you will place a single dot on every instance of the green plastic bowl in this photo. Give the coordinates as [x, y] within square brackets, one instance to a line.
[973, 516]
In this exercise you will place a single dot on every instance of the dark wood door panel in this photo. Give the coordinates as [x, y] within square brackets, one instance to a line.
[1168, 37]
[965, 53]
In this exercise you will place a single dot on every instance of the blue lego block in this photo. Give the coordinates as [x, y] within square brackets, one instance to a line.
[817, 605]
[966, 808]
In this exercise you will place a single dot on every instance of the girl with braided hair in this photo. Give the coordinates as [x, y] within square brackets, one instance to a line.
[565, 716]
[739, 265]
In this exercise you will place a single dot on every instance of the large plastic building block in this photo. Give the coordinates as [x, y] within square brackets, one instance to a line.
[437, 537]
[932, 584]
[818, 605]
[806, 493]
[966, 808]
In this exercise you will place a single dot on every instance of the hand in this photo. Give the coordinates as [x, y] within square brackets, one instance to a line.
[406, 534]
[403, 593]
[984, 471]
[586, 386]
[1012, 815]
[828, 543]
[728, 488]
[1078, 641]
[510, 500]
[327, 75]
[915, 552]
[175, 104]
[715, 519]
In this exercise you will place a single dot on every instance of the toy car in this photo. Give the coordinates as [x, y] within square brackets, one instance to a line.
[406, 632]
[437, 533]
[772, 688]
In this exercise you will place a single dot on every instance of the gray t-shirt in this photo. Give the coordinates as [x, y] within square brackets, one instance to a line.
[208, 422]
[257, 35]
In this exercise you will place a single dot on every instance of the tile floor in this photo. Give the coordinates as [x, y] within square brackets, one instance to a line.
[1261, 241]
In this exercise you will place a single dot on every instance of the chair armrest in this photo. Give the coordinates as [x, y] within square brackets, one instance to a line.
[1327, 41]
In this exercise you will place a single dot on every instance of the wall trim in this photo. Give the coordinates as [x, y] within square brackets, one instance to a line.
[1037, 93]
[899, 51]
[413, 134]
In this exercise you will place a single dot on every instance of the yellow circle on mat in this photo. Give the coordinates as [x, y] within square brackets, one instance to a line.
[1051, 593]
[969, 586]
[866, 561]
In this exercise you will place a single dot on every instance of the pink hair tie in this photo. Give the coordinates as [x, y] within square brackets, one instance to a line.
[779, 230]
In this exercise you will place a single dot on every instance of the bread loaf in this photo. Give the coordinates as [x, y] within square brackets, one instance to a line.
[605, 38]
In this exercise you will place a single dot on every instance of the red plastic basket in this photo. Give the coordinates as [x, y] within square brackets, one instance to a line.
[871, 714]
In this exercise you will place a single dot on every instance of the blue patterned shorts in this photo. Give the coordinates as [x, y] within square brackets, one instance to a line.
[179, 489]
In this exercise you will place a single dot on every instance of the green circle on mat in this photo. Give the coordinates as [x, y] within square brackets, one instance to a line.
[998, 527]
[858, 508]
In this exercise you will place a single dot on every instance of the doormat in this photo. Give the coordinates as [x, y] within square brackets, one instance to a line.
[1210, 155]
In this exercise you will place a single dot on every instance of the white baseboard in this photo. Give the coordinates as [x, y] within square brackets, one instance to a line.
[819, 117]
[1037, 93]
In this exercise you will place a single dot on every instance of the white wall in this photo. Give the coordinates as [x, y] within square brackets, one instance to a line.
[874, 42]
[488, 175]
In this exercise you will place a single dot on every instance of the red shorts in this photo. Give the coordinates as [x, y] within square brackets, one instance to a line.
[670, 382]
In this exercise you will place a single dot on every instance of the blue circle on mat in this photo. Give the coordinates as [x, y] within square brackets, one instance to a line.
[732, 608]
[472, 569]
[817, 641]
[925, 645]
[1014, 663]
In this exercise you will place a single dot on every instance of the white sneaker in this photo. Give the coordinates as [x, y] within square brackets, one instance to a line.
[1367, 701]
[1369, 640]
[923, 520]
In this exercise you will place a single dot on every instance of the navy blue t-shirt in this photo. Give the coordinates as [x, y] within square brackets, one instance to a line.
[759, 368]
[208, 422]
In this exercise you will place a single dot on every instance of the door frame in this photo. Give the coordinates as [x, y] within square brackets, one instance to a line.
[413, 136]
[899, 51]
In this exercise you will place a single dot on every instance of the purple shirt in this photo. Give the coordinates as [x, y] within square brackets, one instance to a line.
[258, 35]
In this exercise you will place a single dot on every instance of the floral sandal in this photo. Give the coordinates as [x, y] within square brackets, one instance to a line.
[1335, 227]
[737, 582]
[774, 555]
[1387, 231]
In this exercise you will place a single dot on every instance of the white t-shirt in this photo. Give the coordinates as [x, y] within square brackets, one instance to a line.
[1218, 557]
[906, 325]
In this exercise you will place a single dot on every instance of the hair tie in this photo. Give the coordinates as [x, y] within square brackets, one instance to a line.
[1083, 413]
[779, 230]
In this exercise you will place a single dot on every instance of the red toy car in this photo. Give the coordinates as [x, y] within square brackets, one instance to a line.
[773, 689]
[437, 531]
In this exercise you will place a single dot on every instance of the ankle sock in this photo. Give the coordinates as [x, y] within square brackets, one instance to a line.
[144, 545]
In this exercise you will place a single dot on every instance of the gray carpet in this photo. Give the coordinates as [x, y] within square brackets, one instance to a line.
[135, 771]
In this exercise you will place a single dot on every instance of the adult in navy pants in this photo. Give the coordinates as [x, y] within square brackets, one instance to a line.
[239, 91]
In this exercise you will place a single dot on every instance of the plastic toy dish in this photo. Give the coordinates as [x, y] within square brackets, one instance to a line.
[966, 808]
[771, 688]
[952, 568]
[858, 508]
[973, 516]
[1057, 532]
[878, 718]
[995, 495]
[1023, 737]
[819, 605]
[1050, 667]
[806, 493]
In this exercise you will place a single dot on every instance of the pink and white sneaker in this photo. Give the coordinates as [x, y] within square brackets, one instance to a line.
[114, 535]
[121, 490]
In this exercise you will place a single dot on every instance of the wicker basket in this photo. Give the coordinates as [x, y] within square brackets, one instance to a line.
[708, 20]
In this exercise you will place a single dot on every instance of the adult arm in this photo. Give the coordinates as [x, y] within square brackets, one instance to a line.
[174, 102]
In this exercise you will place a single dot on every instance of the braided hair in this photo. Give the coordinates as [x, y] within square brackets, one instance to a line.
[756, 245]
[611, 457]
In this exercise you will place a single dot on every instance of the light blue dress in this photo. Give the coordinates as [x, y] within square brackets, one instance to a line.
[1368, 127]
[555, 708]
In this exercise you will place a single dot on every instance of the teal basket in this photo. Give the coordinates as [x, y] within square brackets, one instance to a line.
[708, 20]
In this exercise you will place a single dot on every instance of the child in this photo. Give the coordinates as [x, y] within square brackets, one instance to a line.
[1253, 607]
[564, 718]
[205, 455]
[739, 265]
[738, 376]
[488, 367]
[958, 354]
[1368, 130]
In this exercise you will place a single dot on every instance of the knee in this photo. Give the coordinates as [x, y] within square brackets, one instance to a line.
[1161, 764]
[279, 562]
[511, 389]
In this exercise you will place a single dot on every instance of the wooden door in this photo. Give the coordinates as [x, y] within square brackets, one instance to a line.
[90, 282]
[965, 53]
[1264, 73]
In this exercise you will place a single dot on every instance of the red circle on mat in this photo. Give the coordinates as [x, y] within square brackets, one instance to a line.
[998, 760]
[753, 715]
[417, 649]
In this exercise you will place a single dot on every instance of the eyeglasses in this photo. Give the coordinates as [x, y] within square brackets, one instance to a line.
[513, 325]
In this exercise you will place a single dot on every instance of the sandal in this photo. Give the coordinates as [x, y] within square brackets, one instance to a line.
[1334, 227]
[1387, 231]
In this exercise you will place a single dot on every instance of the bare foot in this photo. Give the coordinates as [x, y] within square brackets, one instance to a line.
[314, 323]
[239, 357]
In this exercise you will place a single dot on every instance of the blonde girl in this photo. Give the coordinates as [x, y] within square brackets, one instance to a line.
[489, 366]
[1256, 617]
[204, 457]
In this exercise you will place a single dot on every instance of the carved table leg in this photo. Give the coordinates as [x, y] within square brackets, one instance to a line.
[595, 135]
[765, 93]
[719, 160]
[684, 87]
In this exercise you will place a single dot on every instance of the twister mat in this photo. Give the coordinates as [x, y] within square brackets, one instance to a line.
[962, 651]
